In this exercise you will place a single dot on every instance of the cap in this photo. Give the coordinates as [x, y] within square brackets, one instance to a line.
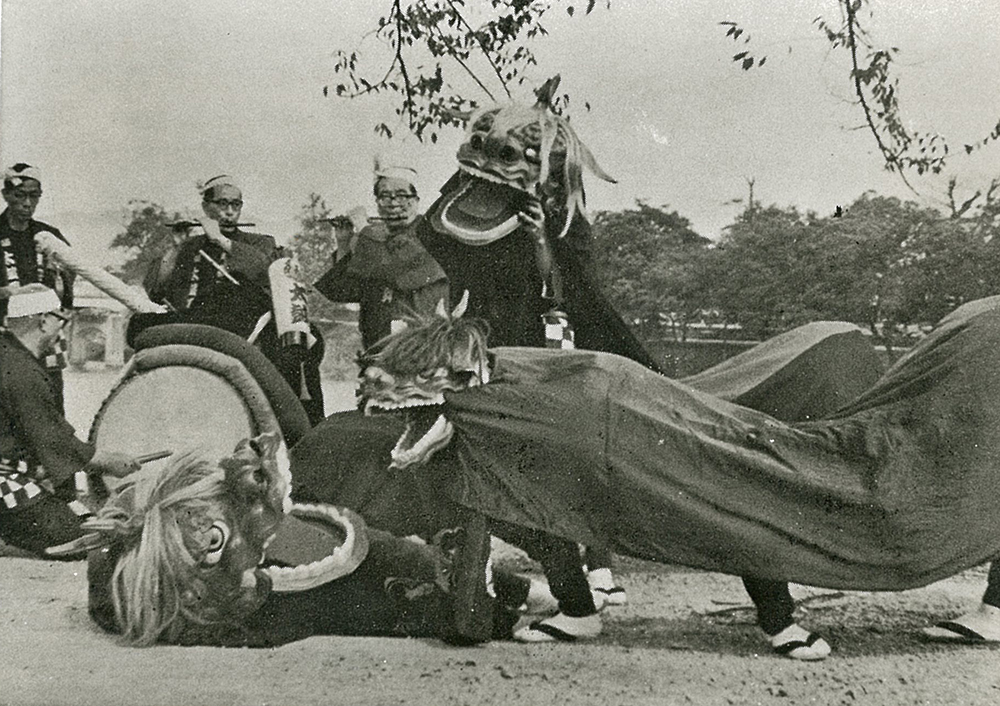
[32, 299]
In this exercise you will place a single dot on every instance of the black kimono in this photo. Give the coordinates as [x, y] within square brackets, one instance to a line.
[39, 454]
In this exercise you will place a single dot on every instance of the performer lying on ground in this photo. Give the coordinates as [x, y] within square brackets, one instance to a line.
[39, 451]
[216, 553]
[896, 491]
[222, 275]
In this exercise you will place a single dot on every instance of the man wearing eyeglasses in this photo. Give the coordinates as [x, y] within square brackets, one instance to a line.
[219, 268]
[40, 453]
[219, 276]
[23, 263]
[384, 267]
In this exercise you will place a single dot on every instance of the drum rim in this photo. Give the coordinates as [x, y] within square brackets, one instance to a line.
[225, 367]
[287, 408]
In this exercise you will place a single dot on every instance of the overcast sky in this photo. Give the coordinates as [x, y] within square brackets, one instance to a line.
[120, 100]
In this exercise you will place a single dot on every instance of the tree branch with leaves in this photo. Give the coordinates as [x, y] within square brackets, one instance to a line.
[876, 90]
[428, 41]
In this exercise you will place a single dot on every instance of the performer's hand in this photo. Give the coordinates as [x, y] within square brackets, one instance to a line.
[114, 463]
[214, 234]
[533, 219]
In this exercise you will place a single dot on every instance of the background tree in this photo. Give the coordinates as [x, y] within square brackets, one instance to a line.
[887, 264]
[760, 270]
[644, 260]
[314, 246]
[145, 239]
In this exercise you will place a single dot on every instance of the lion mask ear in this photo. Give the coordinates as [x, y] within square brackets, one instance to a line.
[460, 308]
[546, 93]
[457, 312]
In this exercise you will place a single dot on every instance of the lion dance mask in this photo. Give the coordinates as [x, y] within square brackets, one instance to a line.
[511, 153]
[200, 546]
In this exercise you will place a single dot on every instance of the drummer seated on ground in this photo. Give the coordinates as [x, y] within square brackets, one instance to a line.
[39, 451]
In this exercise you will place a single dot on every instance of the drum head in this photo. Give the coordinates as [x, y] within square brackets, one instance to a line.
[177, 408]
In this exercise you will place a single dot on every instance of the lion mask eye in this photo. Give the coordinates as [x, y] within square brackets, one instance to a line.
[218, 538]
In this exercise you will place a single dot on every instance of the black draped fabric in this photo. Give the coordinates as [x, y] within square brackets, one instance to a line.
[506, 289]
[804, 374]
[898, 490]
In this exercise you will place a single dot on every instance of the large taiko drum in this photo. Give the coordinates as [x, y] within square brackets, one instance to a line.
[191, 387]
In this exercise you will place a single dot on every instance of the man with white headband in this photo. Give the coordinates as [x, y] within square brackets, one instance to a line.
[40, 453]
[220, 276]
[23, 263]
[385, 268]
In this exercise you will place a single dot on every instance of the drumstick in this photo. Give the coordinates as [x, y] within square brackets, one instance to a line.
[222, 270]
[155, 456]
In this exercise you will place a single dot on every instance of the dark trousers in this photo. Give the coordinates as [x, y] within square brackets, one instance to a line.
[597, 558]
[773, 601]
[992, 595]
[560, 560]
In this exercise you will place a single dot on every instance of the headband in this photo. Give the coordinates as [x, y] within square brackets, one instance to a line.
[394, 170]
[220, 180]
[16, 175]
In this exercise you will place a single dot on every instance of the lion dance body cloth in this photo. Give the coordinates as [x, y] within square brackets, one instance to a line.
[894, 491]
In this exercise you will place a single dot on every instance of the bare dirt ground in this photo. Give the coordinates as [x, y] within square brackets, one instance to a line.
[687, 637]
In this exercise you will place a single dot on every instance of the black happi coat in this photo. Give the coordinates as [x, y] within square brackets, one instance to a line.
[20, 246]
[390, 275]
[506, 289]
[32, 426]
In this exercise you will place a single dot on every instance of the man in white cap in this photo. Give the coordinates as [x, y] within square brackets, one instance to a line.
[385, 268]
[219, 276]
[40, 453]
[216, 260]
[23, 263]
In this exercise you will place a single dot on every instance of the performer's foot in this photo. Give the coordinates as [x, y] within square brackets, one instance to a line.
[796, 642]
[540, 600]
[602, 586]
[560, 628]
[979, 626]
